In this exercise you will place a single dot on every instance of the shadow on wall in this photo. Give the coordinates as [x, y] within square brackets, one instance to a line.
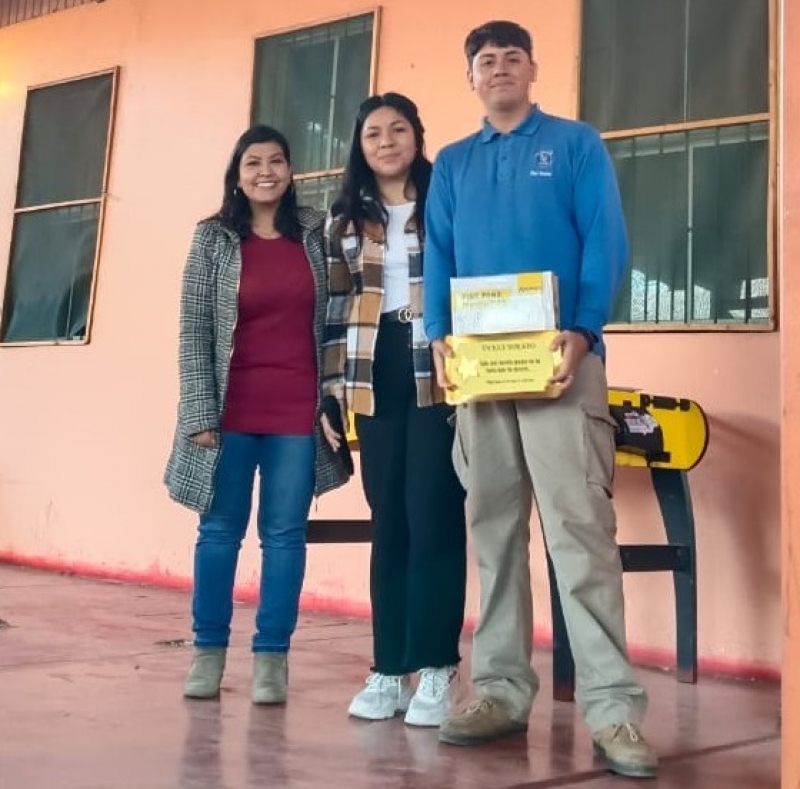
[738, 489]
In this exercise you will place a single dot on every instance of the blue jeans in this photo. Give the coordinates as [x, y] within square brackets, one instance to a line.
[286, 472]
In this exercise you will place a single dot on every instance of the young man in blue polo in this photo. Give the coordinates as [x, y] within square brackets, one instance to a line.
[532, 192]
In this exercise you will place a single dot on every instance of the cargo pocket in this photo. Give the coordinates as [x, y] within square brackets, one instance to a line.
[460, 445]
[599, 430]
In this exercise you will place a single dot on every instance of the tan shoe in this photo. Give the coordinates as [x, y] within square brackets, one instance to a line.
[482, 721]
[625, 751]
[205, 674]
[270, 677]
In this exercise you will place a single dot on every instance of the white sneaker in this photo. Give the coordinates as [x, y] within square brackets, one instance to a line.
[432, 701]
[382, 697]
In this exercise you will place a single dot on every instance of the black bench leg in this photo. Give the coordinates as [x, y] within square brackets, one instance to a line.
[672, 491]
[563, 664]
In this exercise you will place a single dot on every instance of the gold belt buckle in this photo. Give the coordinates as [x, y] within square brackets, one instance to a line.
[404, 315]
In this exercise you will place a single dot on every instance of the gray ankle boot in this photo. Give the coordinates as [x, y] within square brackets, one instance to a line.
[206, 673]
[270, 675]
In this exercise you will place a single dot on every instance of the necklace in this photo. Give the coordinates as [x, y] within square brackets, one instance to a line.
[267, 236]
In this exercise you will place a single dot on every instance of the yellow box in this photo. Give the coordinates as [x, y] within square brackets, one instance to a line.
[504, 303]
[502, 367]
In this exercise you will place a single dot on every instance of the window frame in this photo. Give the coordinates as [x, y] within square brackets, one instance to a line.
[769, 117]
[101, 201]
[376, 12]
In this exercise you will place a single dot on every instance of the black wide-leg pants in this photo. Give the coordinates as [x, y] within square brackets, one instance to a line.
[418, 561]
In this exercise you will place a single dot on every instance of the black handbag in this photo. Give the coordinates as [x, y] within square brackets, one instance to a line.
[330, 408]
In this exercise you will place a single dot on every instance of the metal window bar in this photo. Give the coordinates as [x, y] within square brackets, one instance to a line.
[335, 33]
[14, 11]
[328, 154]
[654, 308]
[748, 295]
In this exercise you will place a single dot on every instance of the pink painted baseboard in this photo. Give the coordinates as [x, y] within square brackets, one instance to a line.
[158, 577]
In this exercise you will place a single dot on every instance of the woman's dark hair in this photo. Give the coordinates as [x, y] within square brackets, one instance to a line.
[359, 200]
[235, 212]
[500, 33]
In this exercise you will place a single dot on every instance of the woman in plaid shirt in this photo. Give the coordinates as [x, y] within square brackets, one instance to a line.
[377, 365]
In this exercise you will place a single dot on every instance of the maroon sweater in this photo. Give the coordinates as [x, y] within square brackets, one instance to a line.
[272, 387]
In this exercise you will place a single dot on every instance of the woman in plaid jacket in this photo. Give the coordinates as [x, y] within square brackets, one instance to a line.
[252, 320]
[378, 366]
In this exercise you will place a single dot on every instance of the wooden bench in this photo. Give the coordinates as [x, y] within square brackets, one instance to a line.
[685, 432]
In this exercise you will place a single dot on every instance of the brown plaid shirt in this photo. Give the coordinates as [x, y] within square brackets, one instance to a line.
[355, 285]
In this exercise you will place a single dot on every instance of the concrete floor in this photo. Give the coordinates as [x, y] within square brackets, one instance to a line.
[90, 698]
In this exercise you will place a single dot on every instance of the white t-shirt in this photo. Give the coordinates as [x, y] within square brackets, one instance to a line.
[396, 291]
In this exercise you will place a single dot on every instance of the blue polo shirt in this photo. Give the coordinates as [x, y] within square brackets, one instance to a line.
[542, 197]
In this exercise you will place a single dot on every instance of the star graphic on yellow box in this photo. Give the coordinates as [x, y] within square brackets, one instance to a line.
[468, 368]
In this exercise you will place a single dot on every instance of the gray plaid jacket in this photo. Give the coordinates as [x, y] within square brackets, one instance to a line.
[209, 308]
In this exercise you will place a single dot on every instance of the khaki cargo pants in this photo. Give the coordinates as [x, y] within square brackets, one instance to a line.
[560, 453]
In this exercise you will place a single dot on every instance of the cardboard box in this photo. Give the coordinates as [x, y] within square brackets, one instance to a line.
[504, 303]
[501, 367]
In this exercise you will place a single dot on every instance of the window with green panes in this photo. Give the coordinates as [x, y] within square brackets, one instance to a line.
[680, 91]
[309, 84]
[61, 195]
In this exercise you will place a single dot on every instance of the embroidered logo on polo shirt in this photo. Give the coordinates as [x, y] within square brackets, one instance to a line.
[542, 164]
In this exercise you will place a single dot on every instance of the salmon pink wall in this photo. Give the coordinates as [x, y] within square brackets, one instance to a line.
[789, 240]
[85, 430]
